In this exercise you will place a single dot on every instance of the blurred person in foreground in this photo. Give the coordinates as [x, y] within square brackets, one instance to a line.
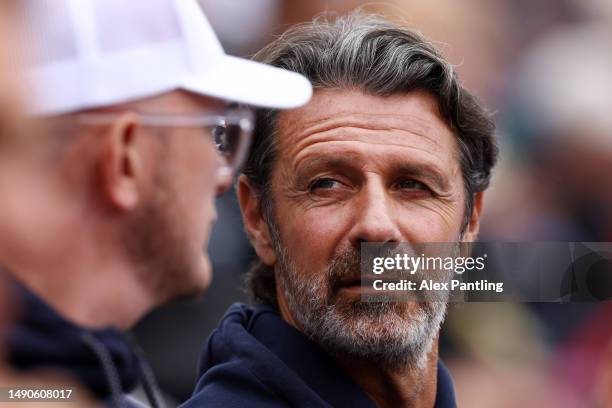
[139, 139]
[12, 126]
[390, 149]
[8, 102]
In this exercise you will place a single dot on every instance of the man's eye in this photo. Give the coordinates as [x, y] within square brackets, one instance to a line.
[220, 138]
[411, 185]
[324, 183]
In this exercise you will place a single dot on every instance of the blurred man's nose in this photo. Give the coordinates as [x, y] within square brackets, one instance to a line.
[224, 179]
[375, 219]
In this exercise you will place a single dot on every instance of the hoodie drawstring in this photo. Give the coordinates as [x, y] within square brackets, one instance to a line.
[108, 366]
[146, 373]
[149, 384]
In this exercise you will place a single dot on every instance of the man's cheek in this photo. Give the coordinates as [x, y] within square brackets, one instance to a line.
[322, 224]
[432, 224]
[314, 235]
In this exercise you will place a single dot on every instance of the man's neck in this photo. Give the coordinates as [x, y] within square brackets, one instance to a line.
[88, 292]
[413, 387]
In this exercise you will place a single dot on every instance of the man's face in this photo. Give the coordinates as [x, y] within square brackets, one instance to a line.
[169, 234]
[356, 168]
[8, 85]
[18, 196]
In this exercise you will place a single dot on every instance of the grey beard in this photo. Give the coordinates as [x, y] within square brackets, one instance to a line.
[383, 333]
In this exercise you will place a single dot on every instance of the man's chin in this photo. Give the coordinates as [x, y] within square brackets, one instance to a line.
[391, 334]
[357, 303]
[204, 275]
[196, 282]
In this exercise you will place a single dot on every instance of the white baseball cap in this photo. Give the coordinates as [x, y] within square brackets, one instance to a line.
[93, 53]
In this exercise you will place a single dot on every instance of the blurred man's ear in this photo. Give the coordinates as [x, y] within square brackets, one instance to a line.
[121, 162]
[471, 232]
[254, 223]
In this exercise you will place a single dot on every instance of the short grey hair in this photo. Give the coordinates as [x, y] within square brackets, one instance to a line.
[367, 52]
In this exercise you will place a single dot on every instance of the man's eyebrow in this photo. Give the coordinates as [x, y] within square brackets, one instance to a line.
[427, 171]
[344, 161]
[423, 170]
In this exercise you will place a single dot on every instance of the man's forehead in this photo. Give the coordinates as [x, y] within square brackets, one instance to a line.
[333, 116]
[416, 112]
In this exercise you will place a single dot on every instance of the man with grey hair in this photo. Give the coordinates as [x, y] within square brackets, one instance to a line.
[390, 149]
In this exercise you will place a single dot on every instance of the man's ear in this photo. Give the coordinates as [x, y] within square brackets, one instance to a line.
[120, 163]
[255, 225]
[471, 232]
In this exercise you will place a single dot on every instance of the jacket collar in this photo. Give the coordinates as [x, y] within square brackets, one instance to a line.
[318, 370]
[40, 338]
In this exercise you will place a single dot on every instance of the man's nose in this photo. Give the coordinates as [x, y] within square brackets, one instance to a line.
[375, 219]
[223, 180]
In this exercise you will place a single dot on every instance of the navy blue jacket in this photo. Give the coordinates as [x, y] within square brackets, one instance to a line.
[255, 359]
[103, 361]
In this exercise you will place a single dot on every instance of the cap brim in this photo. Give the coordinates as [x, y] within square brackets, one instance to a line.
[240, 80]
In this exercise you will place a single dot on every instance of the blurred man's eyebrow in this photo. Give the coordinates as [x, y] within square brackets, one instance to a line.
[230, 106]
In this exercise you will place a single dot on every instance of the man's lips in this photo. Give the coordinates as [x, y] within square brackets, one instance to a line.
[354, 283]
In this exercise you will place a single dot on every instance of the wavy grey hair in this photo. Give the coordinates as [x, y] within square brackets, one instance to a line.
[367, 52]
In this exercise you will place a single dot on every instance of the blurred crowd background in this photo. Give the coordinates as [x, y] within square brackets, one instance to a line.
[544, 69]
